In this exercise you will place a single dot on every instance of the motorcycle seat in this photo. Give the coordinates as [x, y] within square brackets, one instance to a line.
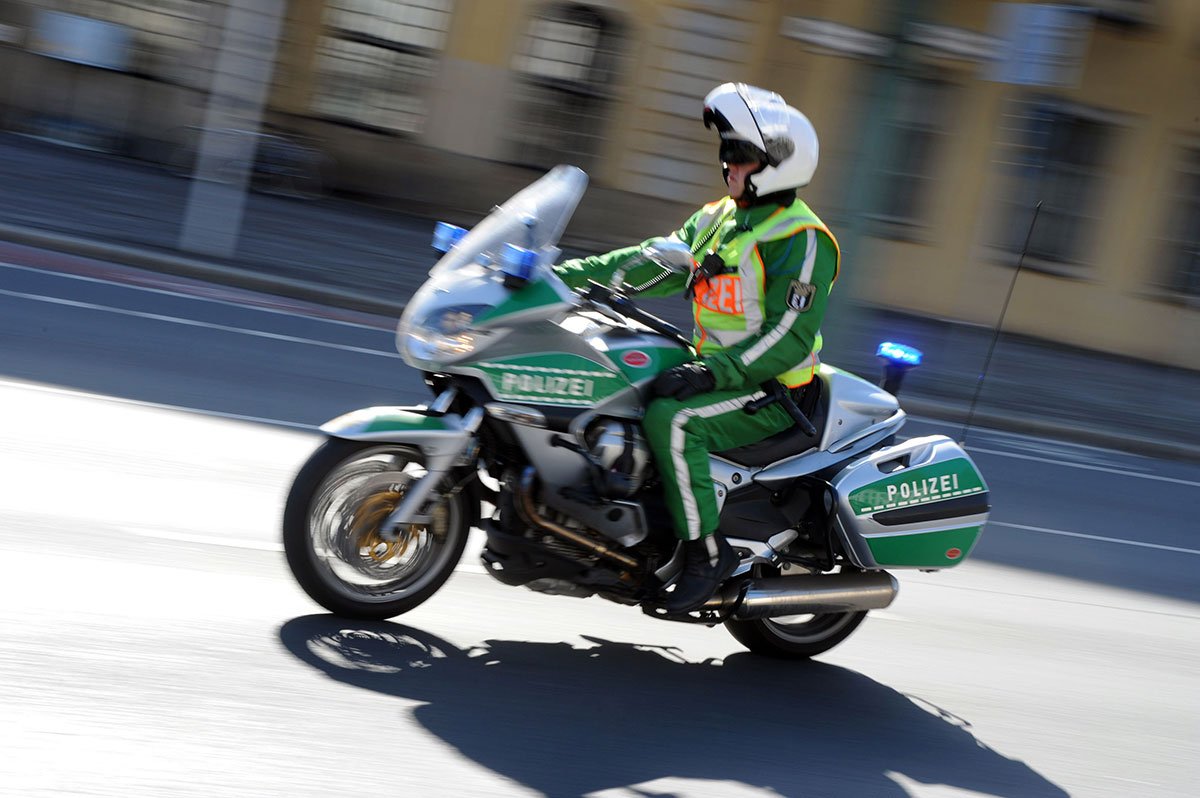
[813, 402]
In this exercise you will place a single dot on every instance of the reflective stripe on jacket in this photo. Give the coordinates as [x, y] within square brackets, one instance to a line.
[730, 308]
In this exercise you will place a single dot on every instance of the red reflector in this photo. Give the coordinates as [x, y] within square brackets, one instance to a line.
[636, 359]
[953, 554]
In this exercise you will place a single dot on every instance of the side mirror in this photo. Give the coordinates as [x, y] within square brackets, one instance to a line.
[670, 254]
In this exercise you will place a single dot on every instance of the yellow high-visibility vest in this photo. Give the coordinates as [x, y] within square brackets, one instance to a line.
[729, 308]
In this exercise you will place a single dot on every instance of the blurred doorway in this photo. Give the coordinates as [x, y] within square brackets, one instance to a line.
[567, 67]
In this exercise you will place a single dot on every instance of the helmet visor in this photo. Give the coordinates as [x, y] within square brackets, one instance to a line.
[738, 152]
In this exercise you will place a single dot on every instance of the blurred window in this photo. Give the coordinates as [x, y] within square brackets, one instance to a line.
[1183, 244]
[376, 60]
[168, 36]
[917, 131]
[1122, 12]
[1060, 157]
[567, 65]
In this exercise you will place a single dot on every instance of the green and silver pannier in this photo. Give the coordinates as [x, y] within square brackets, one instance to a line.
[919, 504]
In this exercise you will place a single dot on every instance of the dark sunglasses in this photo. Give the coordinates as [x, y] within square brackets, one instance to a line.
[739, 152]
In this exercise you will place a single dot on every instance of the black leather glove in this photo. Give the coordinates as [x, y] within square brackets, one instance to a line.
[684, 381]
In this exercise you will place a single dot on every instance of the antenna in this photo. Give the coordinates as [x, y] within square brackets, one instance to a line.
[987, 361]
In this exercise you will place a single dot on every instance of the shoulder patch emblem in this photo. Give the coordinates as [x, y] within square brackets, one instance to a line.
[800, 296]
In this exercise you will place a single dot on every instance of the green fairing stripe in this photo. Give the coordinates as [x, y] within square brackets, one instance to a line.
[659, 359]
[387, 421]
[556, 379]
[534, 295]
[916, 486]
[396, 421]
[941, 549]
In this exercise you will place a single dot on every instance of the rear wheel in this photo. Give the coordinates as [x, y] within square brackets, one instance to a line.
[795, 636]
[334, 540]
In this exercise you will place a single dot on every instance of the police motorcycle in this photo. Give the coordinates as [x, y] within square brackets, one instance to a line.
[534, 436]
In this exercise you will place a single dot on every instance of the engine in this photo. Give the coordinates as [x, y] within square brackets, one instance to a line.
[619, 457]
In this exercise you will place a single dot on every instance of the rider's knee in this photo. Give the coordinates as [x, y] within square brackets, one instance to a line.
[657, 420]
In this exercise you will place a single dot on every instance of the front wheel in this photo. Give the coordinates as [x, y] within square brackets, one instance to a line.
[334, 542]
[795, 637]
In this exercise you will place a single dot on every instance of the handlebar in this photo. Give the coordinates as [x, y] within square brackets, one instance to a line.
[624, 306]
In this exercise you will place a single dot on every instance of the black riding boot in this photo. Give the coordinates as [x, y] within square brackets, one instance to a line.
[704, 569]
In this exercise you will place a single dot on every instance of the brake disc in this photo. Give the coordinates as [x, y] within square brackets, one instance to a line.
[369, 545]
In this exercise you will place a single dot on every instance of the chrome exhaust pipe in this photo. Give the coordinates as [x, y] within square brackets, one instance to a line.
[813, 594]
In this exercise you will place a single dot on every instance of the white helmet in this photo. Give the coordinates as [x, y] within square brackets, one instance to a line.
[757, 123]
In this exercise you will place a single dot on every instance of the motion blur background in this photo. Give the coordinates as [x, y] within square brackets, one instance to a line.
[942, 125]
[155, 643]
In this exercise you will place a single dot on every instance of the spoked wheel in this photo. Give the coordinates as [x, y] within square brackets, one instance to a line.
[795, 636]
[336, 545]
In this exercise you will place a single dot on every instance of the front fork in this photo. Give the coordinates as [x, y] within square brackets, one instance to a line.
[439, 460]
[446, 440]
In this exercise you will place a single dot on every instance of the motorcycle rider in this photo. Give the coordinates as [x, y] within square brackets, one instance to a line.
[764, 267]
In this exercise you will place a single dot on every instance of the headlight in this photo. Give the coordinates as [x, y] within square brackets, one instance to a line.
[443, 335]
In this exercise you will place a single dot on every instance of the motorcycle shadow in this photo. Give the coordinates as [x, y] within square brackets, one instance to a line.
[566, 720]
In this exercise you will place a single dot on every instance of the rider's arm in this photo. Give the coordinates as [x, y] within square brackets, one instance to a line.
[787, 334]
[577, 271]
[601, 268]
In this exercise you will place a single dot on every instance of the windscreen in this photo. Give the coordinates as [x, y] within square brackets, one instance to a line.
[533, 218]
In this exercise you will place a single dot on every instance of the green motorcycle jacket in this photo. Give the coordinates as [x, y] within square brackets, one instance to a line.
[761, 317]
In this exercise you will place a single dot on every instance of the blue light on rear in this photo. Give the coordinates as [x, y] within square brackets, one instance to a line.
[518, 262]
[446, 236]
[900, 354]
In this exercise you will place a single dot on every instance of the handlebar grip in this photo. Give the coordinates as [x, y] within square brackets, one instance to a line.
[597, 292]
[626, 307]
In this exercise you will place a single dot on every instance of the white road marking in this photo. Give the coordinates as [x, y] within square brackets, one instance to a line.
[216, 540]
[50, 389]
[205, 540]
[394, 355]
[202, 324]
[1025, 438]
[889, 615]
[469, 566]
[288, 339]
[1086, 467]
[194, 297]
[1100, 538]
[464, 565]
[476, 569]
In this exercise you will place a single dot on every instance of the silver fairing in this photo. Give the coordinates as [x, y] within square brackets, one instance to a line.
[861, 416]
[587, 335]
[855, 406]
[856, 529]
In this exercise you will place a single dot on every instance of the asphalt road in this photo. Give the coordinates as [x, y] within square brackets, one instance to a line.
[154, 644]
[87, 203]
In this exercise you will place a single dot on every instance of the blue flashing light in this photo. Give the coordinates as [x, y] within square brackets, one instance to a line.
[899, 354]
[517, 263]
[446, 236]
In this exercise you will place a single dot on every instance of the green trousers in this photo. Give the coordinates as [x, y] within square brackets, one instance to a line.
[682, 433]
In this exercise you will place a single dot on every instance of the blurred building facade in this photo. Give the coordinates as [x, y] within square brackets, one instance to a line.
[942, 123]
